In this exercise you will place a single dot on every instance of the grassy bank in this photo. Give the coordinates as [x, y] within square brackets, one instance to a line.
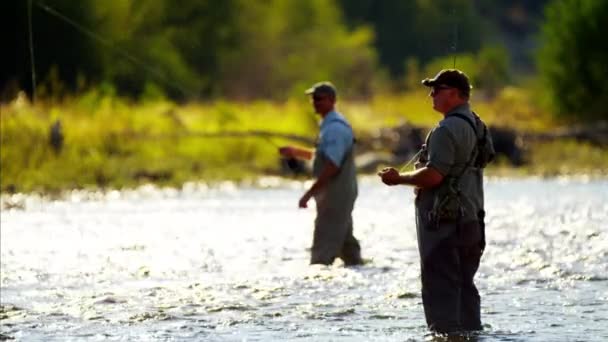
[113, 143]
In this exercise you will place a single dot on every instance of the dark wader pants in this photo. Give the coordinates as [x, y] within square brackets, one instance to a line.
[451, 300]
[333, 236]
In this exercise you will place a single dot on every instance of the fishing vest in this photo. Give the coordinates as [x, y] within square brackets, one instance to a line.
[449, 205]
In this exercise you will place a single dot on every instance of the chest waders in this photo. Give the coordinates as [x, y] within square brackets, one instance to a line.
[333, 235]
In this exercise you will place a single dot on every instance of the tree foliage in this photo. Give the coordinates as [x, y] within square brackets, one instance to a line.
[195, 49]
[420, 29]
[574, 58]
[57, 46]
[248, 49]
[285, 46]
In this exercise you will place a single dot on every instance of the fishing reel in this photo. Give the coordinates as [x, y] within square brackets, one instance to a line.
[293, 165]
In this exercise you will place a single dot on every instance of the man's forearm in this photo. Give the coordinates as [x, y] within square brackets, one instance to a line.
[329, 170]
[423, 178]
[316, 187]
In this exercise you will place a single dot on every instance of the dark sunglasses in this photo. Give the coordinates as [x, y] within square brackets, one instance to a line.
[319, 97]
[435, 90]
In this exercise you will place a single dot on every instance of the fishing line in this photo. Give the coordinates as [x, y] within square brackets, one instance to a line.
[402, 169]
[455, 38]
[109, 44]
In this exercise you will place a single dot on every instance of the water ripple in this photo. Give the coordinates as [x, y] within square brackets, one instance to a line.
[226, 263]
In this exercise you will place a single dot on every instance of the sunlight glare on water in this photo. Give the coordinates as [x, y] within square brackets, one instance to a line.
[230, 263]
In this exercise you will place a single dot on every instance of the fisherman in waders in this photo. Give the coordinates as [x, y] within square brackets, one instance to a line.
[335, 185]
[448, 183]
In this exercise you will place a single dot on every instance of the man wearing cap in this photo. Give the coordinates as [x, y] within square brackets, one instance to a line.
[335, 185]
[449, 207]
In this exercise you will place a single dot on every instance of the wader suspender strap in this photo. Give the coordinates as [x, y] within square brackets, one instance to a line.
[466, 118]
[481, 214]
[473, 154]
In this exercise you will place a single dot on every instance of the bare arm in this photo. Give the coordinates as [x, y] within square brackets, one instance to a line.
[426, 177]
[329, 170]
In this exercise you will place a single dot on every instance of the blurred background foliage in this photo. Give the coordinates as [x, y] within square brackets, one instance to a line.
[270, 49]
[573, 60]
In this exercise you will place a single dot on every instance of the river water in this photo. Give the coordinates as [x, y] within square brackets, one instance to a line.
[228, 263]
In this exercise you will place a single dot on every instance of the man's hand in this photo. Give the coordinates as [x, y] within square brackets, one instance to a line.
[304, 200]
[287, 151]
[426, 177]
[329, 170]
[390, 176]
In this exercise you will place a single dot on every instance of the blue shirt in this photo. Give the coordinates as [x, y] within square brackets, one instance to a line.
[335, 137]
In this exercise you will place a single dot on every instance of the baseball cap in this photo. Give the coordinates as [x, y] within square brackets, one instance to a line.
[452, 78]
[324, 87]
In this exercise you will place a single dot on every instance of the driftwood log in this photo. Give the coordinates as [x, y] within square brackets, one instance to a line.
[596, 134]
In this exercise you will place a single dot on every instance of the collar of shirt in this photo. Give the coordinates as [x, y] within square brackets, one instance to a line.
[333, 115]
[464, 108]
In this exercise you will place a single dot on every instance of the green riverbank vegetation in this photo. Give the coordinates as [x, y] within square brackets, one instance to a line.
[114, 94]
[109, 142]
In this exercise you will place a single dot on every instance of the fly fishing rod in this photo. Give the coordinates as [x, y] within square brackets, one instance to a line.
[31, 46]
[107, 43]
[454, 48]
[455, 38]
[156, 72]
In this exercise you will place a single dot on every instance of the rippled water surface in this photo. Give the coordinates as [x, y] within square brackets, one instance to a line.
[230, 264]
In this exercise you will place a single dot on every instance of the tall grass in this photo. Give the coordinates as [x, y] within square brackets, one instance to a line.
[115, 143]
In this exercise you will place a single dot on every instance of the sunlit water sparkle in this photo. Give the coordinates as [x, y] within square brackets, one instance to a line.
[228, 263]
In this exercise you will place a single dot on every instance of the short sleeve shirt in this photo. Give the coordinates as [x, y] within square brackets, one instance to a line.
[450, 143]
[335, 138]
